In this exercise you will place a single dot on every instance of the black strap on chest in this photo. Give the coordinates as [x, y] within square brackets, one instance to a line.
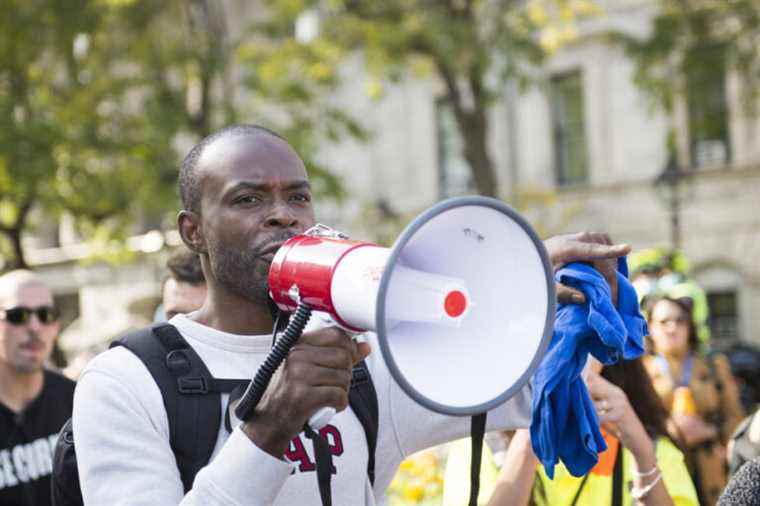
[477, 433]
[617, 478]
[323, 461]
[617, 481]
[362, 398]
[191, 395]
[580, 489]
[363, 401]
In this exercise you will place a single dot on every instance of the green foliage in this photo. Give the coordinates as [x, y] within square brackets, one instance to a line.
[96, 94]
[467, 38]
[697, 37]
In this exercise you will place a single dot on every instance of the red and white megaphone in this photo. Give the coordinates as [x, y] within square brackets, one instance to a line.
[331, 273]
[462, 304]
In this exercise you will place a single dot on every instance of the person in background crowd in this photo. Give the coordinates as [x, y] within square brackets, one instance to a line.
[658, 271]
[184, 289]
[651, 467]
[744, 444]
[34, 401]
[698, 391]
[744, 487]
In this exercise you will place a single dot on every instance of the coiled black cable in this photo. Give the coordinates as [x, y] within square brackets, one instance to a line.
[277, 354]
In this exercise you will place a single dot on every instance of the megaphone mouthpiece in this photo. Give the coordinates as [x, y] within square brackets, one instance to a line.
[342, 277]
[426, 297]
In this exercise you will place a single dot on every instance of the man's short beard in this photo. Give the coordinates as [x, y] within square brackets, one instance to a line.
[27, 368]
[241, 272]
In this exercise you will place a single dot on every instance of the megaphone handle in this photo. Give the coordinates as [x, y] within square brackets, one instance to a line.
[277, 354]
[321, 418]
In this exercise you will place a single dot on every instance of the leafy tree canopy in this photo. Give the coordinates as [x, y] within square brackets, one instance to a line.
[696, 38]
[98, 96]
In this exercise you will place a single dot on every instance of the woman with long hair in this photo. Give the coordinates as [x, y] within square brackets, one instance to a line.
[642, 465]
[698, 391]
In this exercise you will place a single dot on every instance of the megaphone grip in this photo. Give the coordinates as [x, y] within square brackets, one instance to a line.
[277, 354]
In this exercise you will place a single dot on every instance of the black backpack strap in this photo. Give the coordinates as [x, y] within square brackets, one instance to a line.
[363, 401]
[362, 398]
[477, 433]
[617, 478]
[191, 395]
[580, 488]
[64, 481]
[323, 460]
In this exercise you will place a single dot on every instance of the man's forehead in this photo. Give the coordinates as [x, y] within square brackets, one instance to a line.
[250, 157]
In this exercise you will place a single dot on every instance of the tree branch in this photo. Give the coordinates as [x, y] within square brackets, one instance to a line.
[23, 211]
[450, 79]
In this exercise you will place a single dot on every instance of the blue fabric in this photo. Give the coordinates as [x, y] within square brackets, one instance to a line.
[565, 425]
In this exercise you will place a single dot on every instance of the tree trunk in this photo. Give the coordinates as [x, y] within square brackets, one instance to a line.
[18, 260]
[13, 233]
[474, 128]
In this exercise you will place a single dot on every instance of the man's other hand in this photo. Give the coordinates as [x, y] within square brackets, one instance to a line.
[596, 249]
[316, 374]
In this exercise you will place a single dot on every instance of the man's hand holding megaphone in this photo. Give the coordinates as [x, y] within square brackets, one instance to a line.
[316, 374]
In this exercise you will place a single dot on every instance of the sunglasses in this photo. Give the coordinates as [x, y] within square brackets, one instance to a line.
[21, 315]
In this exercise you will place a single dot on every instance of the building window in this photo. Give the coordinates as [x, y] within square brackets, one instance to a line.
[724, 316]
[570, 152]
[707, 107]
[454, 174]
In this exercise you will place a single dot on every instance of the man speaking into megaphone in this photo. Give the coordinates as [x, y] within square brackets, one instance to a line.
[244, 192]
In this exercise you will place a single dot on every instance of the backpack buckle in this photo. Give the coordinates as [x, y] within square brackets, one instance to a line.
[192, 385]
[359, 375]
[178, 362]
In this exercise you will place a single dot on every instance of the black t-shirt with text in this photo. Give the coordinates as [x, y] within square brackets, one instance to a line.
[27, 441]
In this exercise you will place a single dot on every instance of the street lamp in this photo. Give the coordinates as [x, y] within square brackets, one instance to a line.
[669, 185]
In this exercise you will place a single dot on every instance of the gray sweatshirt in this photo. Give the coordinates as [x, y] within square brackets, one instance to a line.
[122, 436]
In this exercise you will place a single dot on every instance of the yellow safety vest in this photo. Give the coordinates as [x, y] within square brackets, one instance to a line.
[564, 487]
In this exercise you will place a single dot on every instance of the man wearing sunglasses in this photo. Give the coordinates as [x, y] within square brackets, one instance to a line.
[34, 401]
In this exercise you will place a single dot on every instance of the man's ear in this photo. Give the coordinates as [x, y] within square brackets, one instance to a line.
[191, 231]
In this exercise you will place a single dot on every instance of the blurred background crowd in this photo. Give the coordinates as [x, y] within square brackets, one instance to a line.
[638, 118]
